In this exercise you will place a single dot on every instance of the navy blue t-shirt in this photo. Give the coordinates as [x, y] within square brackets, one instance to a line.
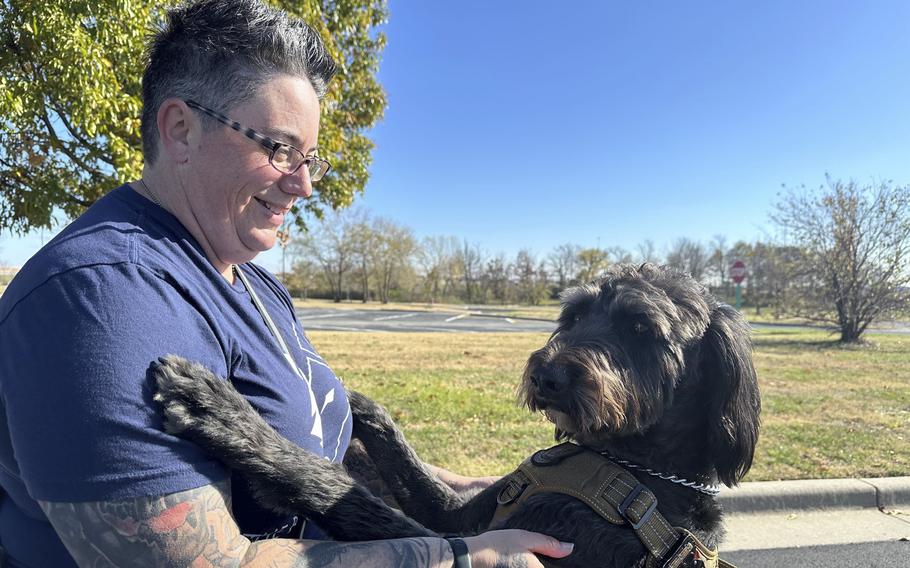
[79, 327]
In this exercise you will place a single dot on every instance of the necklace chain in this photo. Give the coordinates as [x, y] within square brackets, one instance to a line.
[151, 193]
[154, 197]
[711, 490]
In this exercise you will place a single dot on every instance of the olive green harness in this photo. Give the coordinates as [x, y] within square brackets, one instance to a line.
[614, 494]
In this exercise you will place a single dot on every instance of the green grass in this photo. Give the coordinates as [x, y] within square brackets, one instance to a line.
[828, 411]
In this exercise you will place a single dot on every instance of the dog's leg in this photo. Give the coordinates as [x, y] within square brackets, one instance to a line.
[361, 468]
[420, 494]
[208, 410]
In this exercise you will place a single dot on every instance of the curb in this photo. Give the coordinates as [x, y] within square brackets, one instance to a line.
[803, 494]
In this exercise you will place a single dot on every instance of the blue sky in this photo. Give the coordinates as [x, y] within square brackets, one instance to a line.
[531, 124]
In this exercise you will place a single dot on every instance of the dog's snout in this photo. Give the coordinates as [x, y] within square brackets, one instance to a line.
[551, 381]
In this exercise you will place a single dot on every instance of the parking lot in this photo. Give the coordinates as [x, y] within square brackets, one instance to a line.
[415, 321]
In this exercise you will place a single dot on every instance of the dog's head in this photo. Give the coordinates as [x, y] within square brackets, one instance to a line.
[648, 349]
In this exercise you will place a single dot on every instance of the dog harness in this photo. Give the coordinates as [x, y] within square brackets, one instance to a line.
[614, 493]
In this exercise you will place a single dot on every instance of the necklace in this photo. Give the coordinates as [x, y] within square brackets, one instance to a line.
[151, 193]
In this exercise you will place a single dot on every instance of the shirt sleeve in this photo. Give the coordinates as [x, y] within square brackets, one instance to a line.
[75, 355]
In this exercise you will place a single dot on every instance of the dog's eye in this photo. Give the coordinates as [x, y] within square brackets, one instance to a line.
[576, 318]
[639, 328]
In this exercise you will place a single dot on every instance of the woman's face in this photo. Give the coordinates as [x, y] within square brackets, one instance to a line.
[237, 199]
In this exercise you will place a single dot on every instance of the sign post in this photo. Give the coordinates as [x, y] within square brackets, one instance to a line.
[738, 274]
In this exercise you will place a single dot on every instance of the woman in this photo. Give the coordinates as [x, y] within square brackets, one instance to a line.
[162, 265]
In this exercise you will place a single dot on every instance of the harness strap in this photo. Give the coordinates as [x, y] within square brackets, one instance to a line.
[611, 491]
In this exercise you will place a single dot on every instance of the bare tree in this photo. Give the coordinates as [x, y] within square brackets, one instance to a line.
[719, 262]
[495, 280]
[774, 271]
[530, 278]
[329, 245]
[364, 241]
[303, 276]
[856, 242]
[689, 256]
[471, 261]
[564, 263]
[619, 255]
[393, 247]
[647, 252]
[434, 258]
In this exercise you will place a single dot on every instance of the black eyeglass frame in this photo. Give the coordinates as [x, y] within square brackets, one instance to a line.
[322, 165]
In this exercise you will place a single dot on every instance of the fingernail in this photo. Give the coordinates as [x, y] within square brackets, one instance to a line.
[567, 546]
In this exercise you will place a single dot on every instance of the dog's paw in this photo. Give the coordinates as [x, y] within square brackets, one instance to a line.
[368, 413]
[188, 392]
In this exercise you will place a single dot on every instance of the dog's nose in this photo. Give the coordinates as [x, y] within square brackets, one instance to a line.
[550, 380]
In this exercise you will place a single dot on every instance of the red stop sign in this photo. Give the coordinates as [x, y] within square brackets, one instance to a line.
[738, 271]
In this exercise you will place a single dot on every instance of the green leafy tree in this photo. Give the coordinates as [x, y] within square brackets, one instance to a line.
[70, 101]
[591, 264]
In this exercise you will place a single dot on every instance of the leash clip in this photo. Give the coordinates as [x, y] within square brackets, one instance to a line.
[684, 548]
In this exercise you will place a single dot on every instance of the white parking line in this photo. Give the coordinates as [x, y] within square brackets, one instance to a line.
[323, 316]
[346, 328]
[396, 316]
[458, 317]
[446, 329]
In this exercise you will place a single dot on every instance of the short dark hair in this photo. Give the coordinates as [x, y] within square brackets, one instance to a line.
[220, 52]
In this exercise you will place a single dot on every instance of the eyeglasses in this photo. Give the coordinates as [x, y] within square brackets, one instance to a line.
[283, 157]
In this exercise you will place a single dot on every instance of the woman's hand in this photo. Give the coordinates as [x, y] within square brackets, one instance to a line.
[513, 548]
[462, 483]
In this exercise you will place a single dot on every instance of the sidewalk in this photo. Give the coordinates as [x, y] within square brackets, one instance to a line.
[790, 514]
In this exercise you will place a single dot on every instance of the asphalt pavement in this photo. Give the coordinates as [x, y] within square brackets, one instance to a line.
[830, 523]
[417, 321]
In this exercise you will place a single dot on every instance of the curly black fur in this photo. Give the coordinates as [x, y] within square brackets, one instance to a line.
[645, 364]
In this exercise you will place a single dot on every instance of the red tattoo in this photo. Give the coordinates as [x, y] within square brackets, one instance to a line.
[171, 518]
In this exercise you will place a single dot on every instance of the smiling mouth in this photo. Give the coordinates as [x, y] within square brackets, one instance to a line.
[272, 208]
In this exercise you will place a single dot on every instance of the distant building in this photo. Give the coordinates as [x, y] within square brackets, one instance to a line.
[9, 270]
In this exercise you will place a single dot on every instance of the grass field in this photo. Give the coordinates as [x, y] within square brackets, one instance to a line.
[828, 411]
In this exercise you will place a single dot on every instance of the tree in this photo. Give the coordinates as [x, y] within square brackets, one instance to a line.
[689, 256]
[647, 252]
[619, 255]
[856, 243]
[719, 262]
[330, 246]
[471, 260]
[70, 101]
[530, 278]
[303, 276]
[496, 279]
[363, 241]
[564, 262]
[392, 252]
[435, 256]
[591, 263]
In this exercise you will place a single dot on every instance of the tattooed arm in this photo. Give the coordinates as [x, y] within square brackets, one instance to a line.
[195, 528]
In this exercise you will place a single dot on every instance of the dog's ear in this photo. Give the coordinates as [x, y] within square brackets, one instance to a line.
[730, 387]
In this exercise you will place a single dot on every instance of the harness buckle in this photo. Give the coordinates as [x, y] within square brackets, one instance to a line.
[624, 507]
[513, 489]
[684, 548]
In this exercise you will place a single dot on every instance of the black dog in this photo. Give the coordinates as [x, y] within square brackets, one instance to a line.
[645, 365]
